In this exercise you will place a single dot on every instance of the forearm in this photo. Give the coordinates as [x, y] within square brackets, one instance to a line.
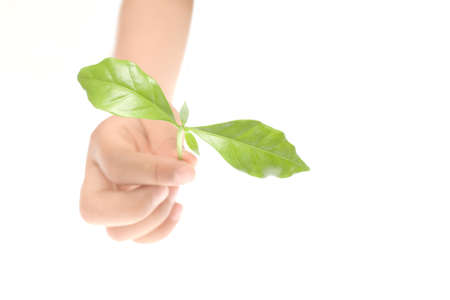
[153, 34]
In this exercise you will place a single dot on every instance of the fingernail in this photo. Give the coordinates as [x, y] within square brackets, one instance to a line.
[184, 174]
[176, 214]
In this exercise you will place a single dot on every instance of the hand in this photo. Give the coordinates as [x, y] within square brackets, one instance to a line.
[132, 176]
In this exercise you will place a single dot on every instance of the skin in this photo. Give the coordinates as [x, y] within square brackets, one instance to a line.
[132, 171]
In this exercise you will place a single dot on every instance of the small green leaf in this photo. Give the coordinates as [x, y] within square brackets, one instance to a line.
[191, 142]
[253, 147]
[184, 114]
[122, 88]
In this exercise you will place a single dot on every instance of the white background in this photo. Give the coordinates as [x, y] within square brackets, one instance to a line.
[360, 87]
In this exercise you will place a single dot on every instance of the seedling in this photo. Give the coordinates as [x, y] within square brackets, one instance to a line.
[123, 89]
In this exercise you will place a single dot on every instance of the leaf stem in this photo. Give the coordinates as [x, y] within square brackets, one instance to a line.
[180, 135]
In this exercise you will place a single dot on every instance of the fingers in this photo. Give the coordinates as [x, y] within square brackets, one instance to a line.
[150, 223]
[165, 228]
[119, 161]
[118, 208]
[128, 167]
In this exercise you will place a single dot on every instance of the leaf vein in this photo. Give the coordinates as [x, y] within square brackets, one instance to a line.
[132, 92]
[252, 146]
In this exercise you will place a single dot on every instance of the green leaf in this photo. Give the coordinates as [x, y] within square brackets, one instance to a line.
[184, 114]
[191, 142]
[253, 147]
[122, 88]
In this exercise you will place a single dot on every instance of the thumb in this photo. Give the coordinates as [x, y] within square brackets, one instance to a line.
[146, 169]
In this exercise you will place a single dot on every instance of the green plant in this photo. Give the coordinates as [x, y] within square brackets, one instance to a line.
[123, 89]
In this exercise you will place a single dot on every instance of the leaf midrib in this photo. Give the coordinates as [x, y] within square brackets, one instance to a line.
[252, 146]
[132, 92]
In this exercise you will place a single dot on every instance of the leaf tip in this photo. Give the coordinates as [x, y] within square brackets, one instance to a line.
[184, 114]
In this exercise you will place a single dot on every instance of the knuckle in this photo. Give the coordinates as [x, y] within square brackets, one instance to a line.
[99, 131]
[156, 172]
[162, 174]
[94, 135]
[106, 158]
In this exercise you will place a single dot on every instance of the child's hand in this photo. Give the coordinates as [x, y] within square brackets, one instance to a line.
[132, 176]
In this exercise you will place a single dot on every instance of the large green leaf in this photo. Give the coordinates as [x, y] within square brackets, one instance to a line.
[253, 147]
[122, 88]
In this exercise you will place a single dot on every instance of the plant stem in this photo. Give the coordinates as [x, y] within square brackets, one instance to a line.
[180, 134]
